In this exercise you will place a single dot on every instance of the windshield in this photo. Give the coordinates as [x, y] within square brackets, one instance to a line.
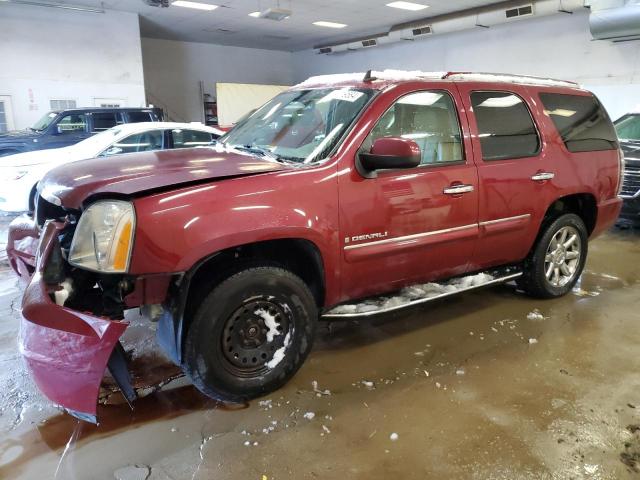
[628, 127]
[94, 145]
[44, 122]
[300, 126]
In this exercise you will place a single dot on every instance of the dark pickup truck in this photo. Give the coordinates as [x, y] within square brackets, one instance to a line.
[67, 127]
[628, 129]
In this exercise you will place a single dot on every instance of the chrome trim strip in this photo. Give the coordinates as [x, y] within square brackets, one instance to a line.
[506, 219]
[410, 237]
[423, 300]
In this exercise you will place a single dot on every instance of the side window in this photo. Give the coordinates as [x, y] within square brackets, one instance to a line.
[104, 121]
[505, 126]
[73, 123]
[581, 121]
[628, 127]
[430, 119]
[138, 142]
[190, 138]
[137, 117]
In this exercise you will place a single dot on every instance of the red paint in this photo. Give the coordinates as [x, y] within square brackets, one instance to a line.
[66, 351]
[23, 263]
[398, 147]
[420, 233]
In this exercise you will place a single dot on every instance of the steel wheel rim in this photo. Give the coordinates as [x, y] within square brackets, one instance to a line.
[246, 347]
[562, 257]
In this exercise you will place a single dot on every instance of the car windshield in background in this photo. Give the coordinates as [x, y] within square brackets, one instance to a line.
[628, 128]
[300, 126]
[44, 122]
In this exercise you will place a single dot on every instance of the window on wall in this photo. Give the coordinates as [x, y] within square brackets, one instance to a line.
[505, 126]
[62, 104]
[582, 122]
[429, 118]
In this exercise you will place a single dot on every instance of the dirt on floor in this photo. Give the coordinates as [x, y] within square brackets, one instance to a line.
[486, 385]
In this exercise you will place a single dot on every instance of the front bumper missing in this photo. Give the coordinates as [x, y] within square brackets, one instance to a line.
[66, 351]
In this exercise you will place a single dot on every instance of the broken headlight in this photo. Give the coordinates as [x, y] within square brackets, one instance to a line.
[103, 238]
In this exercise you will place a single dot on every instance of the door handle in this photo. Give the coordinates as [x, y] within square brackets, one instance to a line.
[458, 189]
[542, 176]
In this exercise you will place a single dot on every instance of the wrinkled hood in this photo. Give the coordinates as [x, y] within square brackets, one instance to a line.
[37, 157]
[130, 174]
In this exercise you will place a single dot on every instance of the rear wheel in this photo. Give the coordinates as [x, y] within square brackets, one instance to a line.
[251, 333]
[558, 258]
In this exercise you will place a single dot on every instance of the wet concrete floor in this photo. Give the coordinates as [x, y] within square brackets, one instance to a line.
[486, 385]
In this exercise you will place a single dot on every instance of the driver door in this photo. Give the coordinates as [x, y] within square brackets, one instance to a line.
[411, 225]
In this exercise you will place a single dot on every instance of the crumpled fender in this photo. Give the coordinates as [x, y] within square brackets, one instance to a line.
[66, 351]
[21, 245]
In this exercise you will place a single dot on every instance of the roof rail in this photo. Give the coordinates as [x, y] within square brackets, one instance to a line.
[509, 78]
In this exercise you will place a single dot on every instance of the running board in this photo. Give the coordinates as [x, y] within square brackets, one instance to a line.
[497, 277]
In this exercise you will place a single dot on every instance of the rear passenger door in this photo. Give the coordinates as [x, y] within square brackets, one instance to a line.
[515, 171]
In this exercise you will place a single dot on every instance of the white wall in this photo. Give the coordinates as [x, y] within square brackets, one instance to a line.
[173, 71]
[557, 46]
[48, 53]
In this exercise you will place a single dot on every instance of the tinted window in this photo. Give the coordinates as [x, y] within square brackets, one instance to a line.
[139, 142]
[104, 121]
[137, 117]
[190, 138]
[505, 126]
[628, 127]
[429, 118]
[73, 123]
[582, 122]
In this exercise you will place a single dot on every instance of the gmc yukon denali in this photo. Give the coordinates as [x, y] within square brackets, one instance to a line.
[339, 190]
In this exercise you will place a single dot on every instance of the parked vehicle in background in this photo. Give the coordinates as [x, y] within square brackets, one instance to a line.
[65, 127]
[20, 173]
[342, 188]
[628, 129]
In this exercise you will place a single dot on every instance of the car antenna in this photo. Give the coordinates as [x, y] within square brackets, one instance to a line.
[368, 77]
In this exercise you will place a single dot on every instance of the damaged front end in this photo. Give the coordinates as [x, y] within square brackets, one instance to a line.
[73, 318]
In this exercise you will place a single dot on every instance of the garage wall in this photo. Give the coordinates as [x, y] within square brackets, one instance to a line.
[174, 69]
[57, 54]
[557, 46]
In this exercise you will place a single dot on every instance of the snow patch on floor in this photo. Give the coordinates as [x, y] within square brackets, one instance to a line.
[412, 293]
[535, 315]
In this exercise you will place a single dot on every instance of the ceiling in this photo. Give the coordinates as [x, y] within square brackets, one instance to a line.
[231, 24]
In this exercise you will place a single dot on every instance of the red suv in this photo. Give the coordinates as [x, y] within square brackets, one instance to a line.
[342, 188]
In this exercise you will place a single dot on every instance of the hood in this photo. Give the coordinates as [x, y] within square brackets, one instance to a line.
[130, 174]
[36, 157]
[18, 135]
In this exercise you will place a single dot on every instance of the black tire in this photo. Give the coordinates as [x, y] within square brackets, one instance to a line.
[545, 258]
[220, 338]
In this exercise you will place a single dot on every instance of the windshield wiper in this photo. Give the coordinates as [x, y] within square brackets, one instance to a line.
[263, 152]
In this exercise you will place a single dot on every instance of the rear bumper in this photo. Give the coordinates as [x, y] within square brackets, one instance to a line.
[21, 246]
[66, 351]
[608, 212]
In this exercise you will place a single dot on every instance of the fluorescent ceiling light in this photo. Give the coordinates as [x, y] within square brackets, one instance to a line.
[329, 24]
[414, 7]
[196, 5]
[255, 14]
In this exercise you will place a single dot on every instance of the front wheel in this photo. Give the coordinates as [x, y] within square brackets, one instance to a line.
[251, 334]
[558, 258]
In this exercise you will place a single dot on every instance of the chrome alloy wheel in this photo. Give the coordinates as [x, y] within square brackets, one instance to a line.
[563, 256]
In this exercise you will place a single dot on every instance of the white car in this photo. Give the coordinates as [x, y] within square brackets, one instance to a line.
[20, 173]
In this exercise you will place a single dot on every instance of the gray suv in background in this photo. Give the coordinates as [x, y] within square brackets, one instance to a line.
[628, 129]
[66, 127]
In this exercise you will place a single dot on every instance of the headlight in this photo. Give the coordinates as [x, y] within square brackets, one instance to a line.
[104, 237]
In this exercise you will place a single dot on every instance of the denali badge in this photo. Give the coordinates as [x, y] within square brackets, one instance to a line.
[366, 236]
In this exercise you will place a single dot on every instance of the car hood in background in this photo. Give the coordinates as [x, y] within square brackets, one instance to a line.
[129, 174]
[37, 157]
[18, 135]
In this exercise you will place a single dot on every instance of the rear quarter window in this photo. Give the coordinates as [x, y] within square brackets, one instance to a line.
[582, 122]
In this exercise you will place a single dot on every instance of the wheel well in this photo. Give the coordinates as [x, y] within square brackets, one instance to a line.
[32, 198]
[581, 204]
[299, 256]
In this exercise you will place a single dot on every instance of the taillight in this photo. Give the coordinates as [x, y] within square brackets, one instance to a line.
[621, 173]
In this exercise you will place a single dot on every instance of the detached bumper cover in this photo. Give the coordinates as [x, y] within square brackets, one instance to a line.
[21, 246]
[66, 351]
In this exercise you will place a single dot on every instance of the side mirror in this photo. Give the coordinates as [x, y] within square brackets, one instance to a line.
[112, 151]
[389, 153]
[59, 129]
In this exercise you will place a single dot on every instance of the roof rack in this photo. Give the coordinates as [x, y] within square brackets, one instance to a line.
[509, 78]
